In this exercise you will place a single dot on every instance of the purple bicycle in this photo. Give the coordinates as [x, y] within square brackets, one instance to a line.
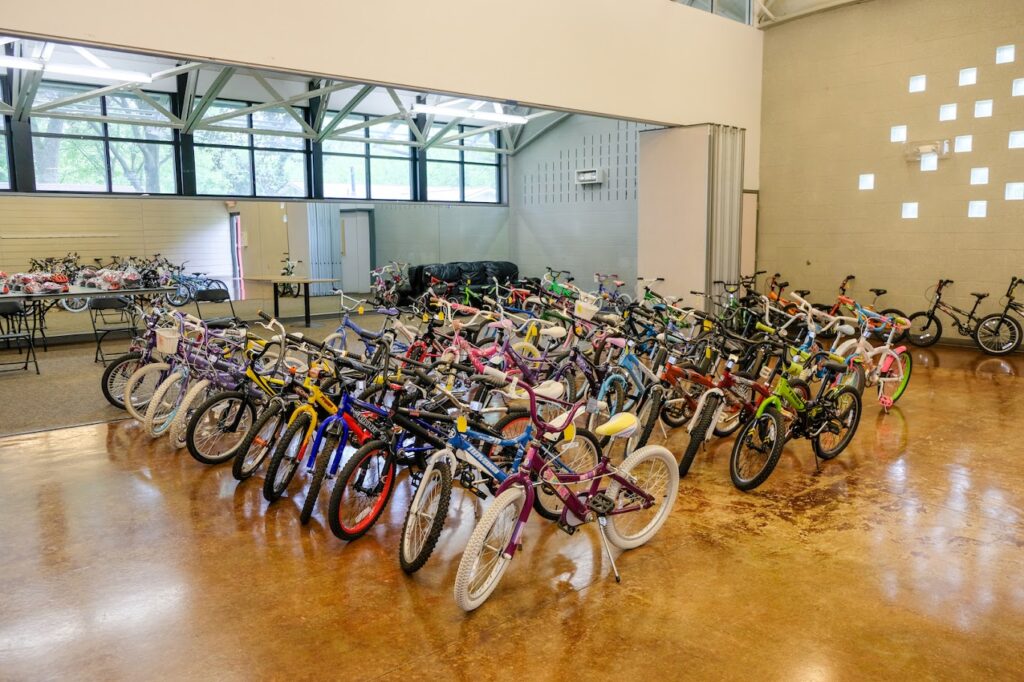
[630, 502]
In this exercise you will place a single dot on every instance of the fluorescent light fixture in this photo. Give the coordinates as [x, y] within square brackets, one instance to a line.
[75, 70]
[977, 209]
[1015, 191]
[918, 83]
[929, 161]
[20, 63]
[979, 176]
[467, 113]
[983, 108]
[1005, 54]
[909, 210]
[947, 112]
[102, 74]
[1017, 139]
[866, 181]
[963, 143]
[898, 134]
[968, 76]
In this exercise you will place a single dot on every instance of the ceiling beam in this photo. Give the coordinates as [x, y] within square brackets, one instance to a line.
[441, 133]
[108, 89]
[345, 111]
[301, 97]
[545, 128]
[284, 104]
[208, 98]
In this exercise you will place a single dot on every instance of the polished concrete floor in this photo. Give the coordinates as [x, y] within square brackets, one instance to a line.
[901, 559]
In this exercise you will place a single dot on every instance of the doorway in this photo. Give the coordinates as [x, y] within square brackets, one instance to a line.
[355, 251]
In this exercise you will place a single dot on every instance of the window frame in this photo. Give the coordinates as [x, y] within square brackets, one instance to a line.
[105, 138]
[251, 148]
[6, 158]
[461, 162]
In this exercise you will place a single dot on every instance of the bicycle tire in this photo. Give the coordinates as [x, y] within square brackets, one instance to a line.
[929, 334]
[323, 461]
[907, 361]
[74, 305]
[833, 452]
[244, 465]
[160, 412]
[354, 472]
[277, 479]
[699, 433]
[116, 374]
[991, 331]
[770, 417]
[630, 468]
[201, 446]
[178, 433]
[135, 399]
[468, 599]
[413, 553]
[648, 415]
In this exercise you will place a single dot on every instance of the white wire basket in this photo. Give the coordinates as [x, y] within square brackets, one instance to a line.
[586, 310]
[167, 341]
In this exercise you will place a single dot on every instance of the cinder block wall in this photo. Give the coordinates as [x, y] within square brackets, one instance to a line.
[834, 85]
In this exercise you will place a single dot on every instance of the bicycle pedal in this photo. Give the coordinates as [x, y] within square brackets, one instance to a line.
[600, 503]
[885, 401]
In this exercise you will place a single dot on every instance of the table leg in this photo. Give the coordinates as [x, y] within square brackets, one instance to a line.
[305, 301]
[277, 311]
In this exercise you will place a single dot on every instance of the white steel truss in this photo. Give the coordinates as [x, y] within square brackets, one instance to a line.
[37, 57]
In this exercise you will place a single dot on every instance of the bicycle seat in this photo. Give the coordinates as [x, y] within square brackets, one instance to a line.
[979, 296]
[622, 425]
[619, 283]
[608, 318]
[878, 292]
[802, 293]
[782, 285]
[197, 274]
[550, 389]
[554, 332]
[221, 322]
[837, 367]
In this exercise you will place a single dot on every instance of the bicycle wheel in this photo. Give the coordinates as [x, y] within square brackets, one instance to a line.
[218, 427]
[647, 416]
[74, 305]
[680, 403]
[843, 412]
[757, 450]
[287, 455]
[141, 386]
[179, 297]
[653, 470]
[197, 393]
[259, 441]
[579, 455]
[925, 329]
[116, 375]
[362, 490]
[894, 381]
[425, 518]
[854, 377]
[323, 460]
[164, 404]
[484, 560]
[699, 433]
[998, 334]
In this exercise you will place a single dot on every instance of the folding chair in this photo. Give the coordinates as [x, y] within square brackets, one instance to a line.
[110, 316]
[214, 297]
[15, 328]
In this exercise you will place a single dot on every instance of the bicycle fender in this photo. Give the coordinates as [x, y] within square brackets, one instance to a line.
[889, 357]
[772, 400]
[700, 407]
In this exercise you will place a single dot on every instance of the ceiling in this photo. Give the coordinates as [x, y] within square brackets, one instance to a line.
[771, 12]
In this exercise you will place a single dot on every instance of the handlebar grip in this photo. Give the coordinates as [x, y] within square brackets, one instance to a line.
[495, 373]
[760, 272]
[262, 315]
[851, 277]
[424, 377]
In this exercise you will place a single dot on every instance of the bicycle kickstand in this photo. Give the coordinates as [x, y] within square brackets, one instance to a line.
[602, 524]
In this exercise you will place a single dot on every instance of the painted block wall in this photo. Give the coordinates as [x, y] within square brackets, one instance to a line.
[431, 233]
[834, 85]
[585, 229]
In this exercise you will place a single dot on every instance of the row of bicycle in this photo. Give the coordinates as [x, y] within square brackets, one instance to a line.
[546, 408]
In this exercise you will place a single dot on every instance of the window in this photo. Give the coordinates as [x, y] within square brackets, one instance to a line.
[929, 161]
[1015, 191]
[898, 134]
[963, 143]
[983, 108]
[968, 76]
[918, 83]
[867, 181]
[909, 210]
[738, 10]
[391, 160]
[1018, 87]
[5, 163]
[1017, 139]
[346, 162]
[979, 176]
[134, 155]
[379, 168]
[947, 112]
[269, 161]
[1005, 54]
[977, 209]
[463, 169]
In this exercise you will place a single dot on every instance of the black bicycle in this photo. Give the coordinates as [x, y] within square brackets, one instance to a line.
[926, 328]
[1000, 333]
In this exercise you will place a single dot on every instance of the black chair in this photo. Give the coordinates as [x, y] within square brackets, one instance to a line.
[216, 296]
[16, 328]
[111, 316]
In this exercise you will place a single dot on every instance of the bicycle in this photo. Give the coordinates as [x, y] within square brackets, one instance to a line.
[998, 333]
[647, 481]
[926, 327]
[288, 270]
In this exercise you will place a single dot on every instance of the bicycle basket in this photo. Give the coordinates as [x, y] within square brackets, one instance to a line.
[586, 310]
[167, 341]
